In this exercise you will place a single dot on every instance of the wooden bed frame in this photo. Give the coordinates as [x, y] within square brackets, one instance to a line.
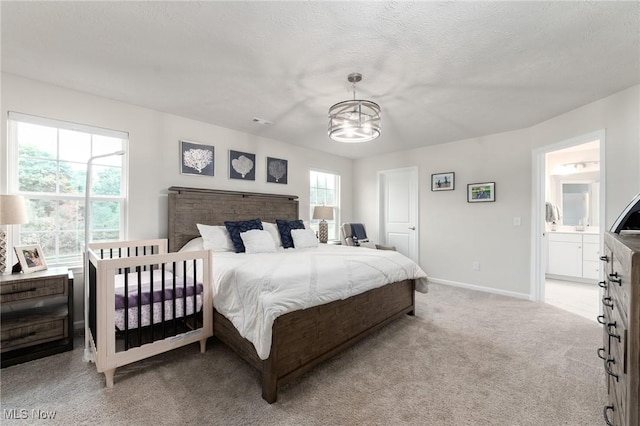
[301, 339]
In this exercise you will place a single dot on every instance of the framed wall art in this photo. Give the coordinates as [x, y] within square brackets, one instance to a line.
[242, 165]
[443, 181]
[31, 258]
[277, 170]
[481, 192]
[196, 159]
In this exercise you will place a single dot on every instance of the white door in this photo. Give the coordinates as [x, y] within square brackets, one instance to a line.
[398, 191]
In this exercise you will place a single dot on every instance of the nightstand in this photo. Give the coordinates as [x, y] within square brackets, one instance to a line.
[36, 314]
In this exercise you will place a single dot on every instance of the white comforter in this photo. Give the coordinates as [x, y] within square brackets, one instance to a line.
[252, 290]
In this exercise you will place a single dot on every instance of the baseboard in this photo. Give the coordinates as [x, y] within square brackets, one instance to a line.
[474, 287]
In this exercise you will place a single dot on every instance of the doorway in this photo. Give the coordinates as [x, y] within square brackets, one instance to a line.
[398, 210]
[569, 223]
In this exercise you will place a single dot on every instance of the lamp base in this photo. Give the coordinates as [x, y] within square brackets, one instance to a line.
[3, 251]
[323, 231]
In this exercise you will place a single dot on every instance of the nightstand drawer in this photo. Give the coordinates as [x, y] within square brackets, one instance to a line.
[26, 330]
[24, 290]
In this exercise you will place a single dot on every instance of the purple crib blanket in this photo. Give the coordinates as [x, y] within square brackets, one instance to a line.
[146, 296]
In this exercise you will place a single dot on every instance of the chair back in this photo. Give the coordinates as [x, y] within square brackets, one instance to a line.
[348, 231]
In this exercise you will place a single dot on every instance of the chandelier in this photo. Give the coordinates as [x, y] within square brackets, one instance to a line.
[356, 120]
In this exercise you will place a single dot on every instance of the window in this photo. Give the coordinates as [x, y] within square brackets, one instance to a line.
[325, 191]
[49, 168]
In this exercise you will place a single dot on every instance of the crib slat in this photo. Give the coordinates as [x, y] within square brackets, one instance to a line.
[151, 302]
[126, 309]
[163, 328]
[139, 271]
[195, 292]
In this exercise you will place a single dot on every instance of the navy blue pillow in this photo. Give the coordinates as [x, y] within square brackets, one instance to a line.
[285, 227]
[235, 228]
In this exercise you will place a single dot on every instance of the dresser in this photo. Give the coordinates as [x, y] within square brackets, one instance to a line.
[37, 314]
[620, 351]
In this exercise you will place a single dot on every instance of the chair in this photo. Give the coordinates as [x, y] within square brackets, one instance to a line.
[357, 230]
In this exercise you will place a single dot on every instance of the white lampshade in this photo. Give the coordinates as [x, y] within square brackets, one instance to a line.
[323, 212]
[12, 210]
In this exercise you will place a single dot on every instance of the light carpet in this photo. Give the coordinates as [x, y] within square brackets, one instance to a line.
[466, 358]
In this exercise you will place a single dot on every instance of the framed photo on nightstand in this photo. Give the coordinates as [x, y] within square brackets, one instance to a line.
[31, 258]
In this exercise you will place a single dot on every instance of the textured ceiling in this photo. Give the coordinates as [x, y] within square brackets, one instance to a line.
[441, 71]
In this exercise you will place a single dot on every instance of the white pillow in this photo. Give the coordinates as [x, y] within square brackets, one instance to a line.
[216, 238]
[304, 238]
[272, 228]
[193, 245]
[258, 241]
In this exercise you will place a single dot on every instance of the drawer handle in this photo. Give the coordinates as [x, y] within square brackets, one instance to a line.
[601, 351]
[33, 333]
[604, 258]
[606, 417]
[20, 291]
[610, 333]
[601, 319]
[602, 284]
[608, 370]
[606, 301]
[615, 278]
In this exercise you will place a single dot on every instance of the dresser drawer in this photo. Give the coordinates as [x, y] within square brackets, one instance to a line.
[20, 330]
[31, 289]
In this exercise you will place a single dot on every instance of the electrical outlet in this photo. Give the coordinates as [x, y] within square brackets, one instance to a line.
[475, 266]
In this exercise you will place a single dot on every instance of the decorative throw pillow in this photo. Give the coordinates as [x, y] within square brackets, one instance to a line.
[273, 230]
[285, 227]
[257, 241]
[304, 238]
[216, 238]
[235, 228]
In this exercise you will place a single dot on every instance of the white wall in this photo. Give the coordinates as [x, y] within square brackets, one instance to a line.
[454, 233]
[153, 153]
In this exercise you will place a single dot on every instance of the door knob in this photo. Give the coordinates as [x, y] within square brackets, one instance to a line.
[413, 228]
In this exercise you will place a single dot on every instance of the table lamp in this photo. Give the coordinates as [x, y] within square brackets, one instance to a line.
[323, 213]
[12, 212]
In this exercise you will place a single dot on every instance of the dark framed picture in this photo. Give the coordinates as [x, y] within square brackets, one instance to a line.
[242, 165]
[443, 181]
[277, 170]
[481, 192]
[31, 258]
[196, 159]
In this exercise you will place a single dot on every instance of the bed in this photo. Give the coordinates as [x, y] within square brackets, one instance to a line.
[144, 301]
[301, 339]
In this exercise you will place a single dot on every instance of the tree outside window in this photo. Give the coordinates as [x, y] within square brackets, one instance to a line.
[51, 175]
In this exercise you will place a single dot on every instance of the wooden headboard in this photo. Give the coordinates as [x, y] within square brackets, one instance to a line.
[189, 206]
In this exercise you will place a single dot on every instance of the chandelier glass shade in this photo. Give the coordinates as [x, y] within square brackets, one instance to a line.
[356, 120]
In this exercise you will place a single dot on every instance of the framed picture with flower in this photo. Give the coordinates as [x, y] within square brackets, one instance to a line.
[277, 170]
[196, 159]
[242, 165]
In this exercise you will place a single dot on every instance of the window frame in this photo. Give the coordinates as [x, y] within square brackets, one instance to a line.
[14, 235]
[334, 225]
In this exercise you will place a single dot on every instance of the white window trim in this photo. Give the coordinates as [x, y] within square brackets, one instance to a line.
[338, 196]
[12, 170]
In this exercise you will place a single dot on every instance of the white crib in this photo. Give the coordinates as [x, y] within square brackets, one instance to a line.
[144, 301]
